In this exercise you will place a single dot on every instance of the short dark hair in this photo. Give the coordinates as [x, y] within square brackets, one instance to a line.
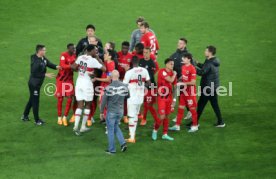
[168, 60]
[70, 45]
[39, 47]
[145, 24]
[212, 49]
[140, 19]
[135, 60]
[139, 46]
[184, 40]
[90, 26]
[90, 47]
[112, 53]
[188, 55]
[125, 43]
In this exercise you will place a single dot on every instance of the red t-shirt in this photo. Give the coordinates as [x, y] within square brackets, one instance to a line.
[123, 60]
[110, 66]
[66, 74]
[162, 83]
[150, 40]
[189, 74]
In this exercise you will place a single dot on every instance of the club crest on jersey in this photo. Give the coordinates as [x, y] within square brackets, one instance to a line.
[164, 73]
[62, 58]
[128, 60]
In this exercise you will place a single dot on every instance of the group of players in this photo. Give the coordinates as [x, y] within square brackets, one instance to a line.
[137, 67]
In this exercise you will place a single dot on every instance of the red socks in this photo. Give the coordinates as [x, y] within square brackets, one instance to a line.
[68, 106]
[180, 114]
[145, 112]
[194, 117]
[59, 106]
[165, 125]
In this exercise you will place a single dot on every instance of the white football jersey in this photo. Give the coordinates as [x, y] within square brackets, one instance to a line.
[135, 78]
[86, 64]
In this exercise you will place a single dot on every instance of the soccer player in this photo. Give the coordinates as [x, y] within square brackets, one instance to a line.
[136, 34]
[106, 76]
[84, 86]
[177, 57]
[150, 97]
[84, 42]
[148, 38]
[65, 83]
[187, 94]
[135, 78]
[165, 99]
[124, 61]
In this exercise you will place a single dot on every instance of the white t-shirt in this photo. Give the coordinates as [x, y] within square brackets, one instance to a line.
[135, 78]
[86, 64]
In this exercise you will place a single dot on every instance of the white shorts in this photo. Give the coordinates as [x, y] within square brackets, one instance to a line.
[84, 93]
[133, 109]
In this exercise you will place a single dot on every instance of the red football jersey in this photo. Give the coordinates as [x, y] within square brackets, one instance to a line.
[150, 40]
[189, 74]
[66, 74]
[123, 60]
[165, 88]
[110, 66]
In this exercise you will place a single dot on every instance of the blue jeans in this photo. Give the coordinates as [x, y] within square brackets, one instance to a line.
[112, 122]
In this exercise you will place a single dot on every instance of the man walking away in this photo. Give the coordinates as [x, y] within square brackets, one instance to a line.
[114, 97]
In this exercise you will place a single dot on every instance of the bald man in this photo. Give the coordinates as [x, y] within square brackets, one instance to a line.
[113, 99]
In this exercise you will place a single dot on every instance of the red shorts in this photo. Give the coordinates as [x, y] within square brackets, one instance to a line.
[189, 101]
[150, 96]
[164, 106]
[64, 88]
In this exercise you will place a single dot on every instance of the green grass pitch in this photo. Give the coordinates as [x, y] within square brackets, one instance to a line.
[244, 34]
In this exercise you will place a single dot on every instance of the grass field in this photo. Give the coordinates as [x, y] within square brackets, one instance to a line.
[243, 32]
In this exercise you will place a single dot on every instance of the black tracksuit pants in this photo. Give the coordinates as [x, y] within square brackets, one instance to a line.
[34, 89]
[203, 100]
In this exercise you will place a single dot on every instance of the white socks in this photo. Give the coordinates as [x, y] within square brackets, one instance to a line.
[132, 124]
[84, 118]
[77, 117]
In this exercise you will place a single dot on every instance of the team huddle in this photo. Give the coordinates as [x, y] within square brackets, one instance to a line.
[137, 64]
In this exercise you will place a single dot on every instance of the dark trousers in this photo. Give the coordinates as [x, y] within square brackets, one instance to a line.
[33, 101]
[203, 100]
